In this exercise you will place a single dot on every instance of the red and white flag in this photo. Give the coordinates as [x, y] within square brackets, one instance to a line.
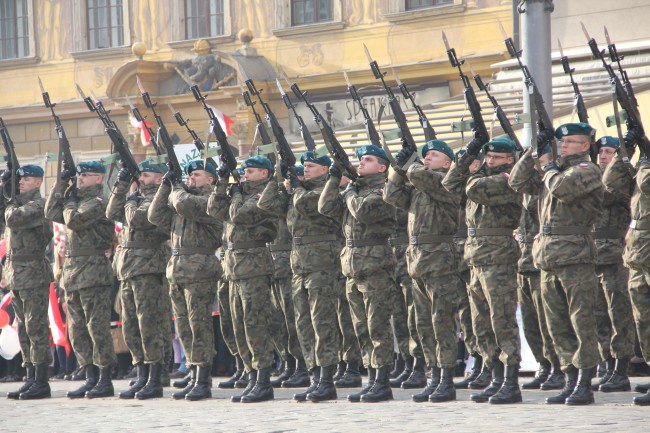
[145, 137]
[225, 121]
[57, 326]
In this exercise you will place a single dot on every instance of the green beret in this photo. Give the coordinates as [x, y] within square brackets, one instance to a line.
[608, 141]
[300, 170]
[30, 170]
[197, 164]
[311, 156]
[462, 151]
[500, 145]
[371, 149]
[258, 161]
[579, 128]
[147, 167]
[438, 145]
[91, 167]
[240, 170]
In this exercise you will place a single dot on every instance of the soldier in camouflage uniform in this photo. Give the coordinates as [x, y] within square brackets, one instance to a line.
[28, 275]
[367, 262]
[609, 234]
[571, 196]
[431, 259]
[193, 269]
[140, 266]
[492, 214]
[249, 268]
[87, 275]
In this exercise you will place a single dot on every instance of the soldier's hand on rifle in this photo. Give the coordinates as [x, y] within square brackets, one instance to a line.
[6, 175]
[71, 195]
[168, 178]
[335, 171]
[223, 172]
[543, 137]
[124, 175]
[134, 196]
[474, 146]
[294, 182]
[403, 155]
[632, 138]
[284, 169]
[234, 189]
[68, 173]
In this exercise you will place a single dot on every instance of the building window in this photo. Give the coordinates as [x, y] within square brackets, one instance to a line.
[419, 4]
[105, 20]
[14, 29]
[204, 18]
[311, 11]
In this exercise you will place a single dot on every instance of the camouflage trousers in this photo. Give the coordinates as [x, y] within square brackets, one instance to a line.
[403, 317]
[639, 287]
[225, 316]
[568, 298]
[369, 299]
[250, 304]
[192, 305]
[465, 313]
[349, 348]
[282, 290]
[493, 300]
[533, 317]
[166, 323]
[603, 325]
[30, 306]
[436, 302]
[89, 325]
[315, 300]
[142, 317]
[612, 282]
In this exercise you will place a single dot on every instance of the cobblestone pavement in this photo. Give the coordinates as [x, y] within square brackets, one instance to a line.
[611, 413]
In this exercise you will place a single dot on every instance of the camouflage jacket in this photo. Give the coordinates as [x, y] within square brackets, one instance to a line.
[143, 248]
[526, 232]
[89, 234]
[247, 224]
[460, 237]
[195, 235]
[432, 210]
[491, 204]
[366, 218]
[27, 235]
[281, 251]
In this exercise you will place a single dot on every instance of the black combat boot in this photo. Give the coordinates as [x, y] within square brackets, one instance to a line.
[91, 381]
[381, 390]
[571, 379]
[445, 390]
[611, 364]
[315, 380]
[40, 388]
[582, 394]
[299, 378]
[230, 383]
[642, 400]
[642, 388]
[493, 388]
[398, 366]
[142, 371]
[201, 390]
[326, 389]
[29, 381]
[289, 369]
[154, 386]
[356, 397]
[104, 387]
[473, 375]
[351, 378]
[423, 396]
[619, 380]
[418, 377]
[541, 376]
[509, 392]
[483, 380]
[251, 380]
[180, 395]
[182, 383]
[556, 379]
[262, 391]
[340, 371]
[404, 375]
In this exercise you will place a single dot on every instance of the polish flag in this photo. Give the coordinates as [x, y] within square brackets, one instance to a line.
[145, 137]
[57, 327]
[225, 121]
[6, 300]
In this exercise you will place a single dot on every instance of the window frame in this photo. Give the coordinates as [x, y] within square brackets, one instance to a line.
[178, 28]
[208, 18]
[80, 33]
[397, 11]
[284, 23]
[31, 57]
[317, 6]
[446, 3]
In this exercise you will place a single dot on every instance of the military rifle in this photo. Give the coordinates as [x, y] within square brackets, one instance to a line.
[332, 144]
[480, 131]
[195, 138]
[261, 127]
[12, 162]
[429, 132]
[304, 132]
[373, 135]
[227, 156]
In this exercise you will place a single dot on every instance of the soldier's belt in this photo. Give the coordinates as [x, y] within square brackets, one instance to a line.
[139, 244]
[353, 243]
[279, 247]
[245, 245]
[525, 239]
[609, 233]
[185, 251]
[430, 239]
[565, 230]
[85, 252]
[398, 240]
[473, 232]
[24, 257]
[304, 240]
[640, 224]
